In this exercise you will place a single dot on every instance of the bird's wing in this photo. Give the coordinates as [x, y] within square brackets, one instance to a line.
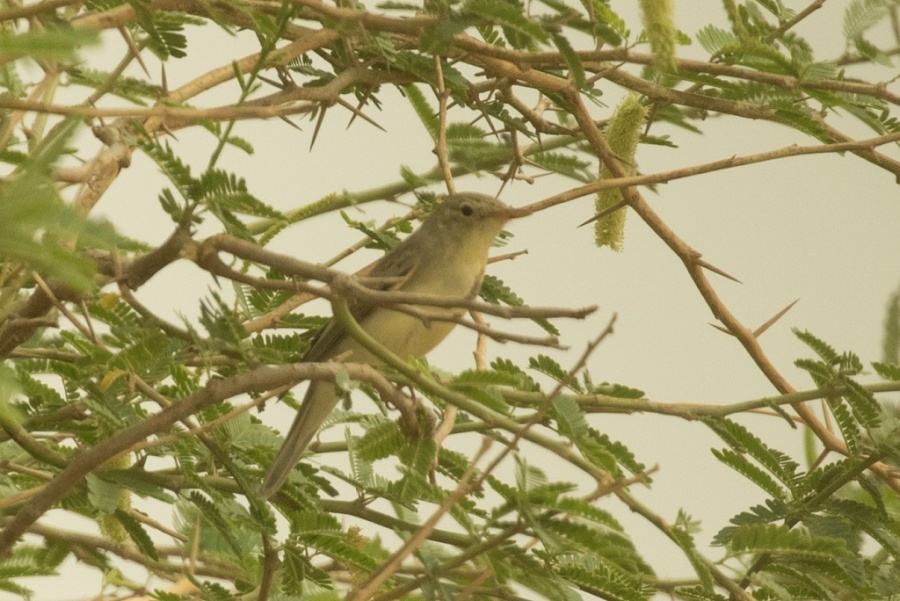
[396, 265]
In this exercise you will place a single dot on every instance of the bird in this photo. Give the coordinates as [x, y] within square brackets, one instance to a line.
[445, 256]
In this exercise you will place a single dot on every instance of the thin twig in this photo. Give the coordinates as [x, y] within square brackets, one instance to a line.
[85, 331]
[367, 588]
[791, 23]
[89, 459]
[440, 147]
[204, 254]
[664, 177]
[696, 272]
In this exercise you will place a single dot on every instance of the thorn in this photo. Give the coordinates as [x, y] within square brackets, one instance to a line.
[164, 79]
[275, 84]
[774, 318]
[487, 119]
[358, 113]
[715, 269]
[133, 48]
[362, 102]
[604, 213]
[721, 328]
[163, 126]
[289, 122]
[318, 126]
[284, 74]
[354, 114]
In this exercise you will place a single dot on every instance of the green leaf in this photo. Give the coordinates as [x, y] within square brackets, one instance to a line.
[137, 534]
[797, 578]
[427, 115]
[380, 441]
[613, 548]
[164, 30]
[132, 89]
[380, 239]
[39, 393]
[888, 371]
[222, 190]
[506, 492]
[525, 382]
[608, 454]
[551, 368]
[25, 560]
[681, 532]
[697, 594]
[825, 351]
[417, 455]
[862, 15]
[487, 378]
[493, 290]
[742, 440]
[573, 61]
[772, 511]
[616, 390]
[221, 322]
[877, 117]
[538, 578]
[37, 229]
[740, 464]
[411, 178]
[176, 170]
[564, 164]
[342, 548]
[45, 45]
[714, 40]
[488, 396]
[423, 68]
[520, 31]
[601, 581]
[782, 541]
[821, 373]
[848, 426]
[212, 514]
[607, 24]
[570, 417]
[103, 495]
[438, 37]
[865, 408]
[212, 591]
[138, 485]
[298, 568]
[777, 9]
[815, 72]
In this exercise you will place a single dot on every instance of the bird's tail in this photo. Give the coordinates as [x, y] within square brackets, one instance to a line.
[319, 401]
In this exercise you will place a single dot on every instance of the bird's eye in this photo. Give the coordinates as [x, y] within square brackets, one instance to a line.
[466, 210]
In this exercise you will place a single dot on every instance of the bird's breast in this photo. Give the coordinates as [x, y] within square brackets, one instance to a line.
[409, 336]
